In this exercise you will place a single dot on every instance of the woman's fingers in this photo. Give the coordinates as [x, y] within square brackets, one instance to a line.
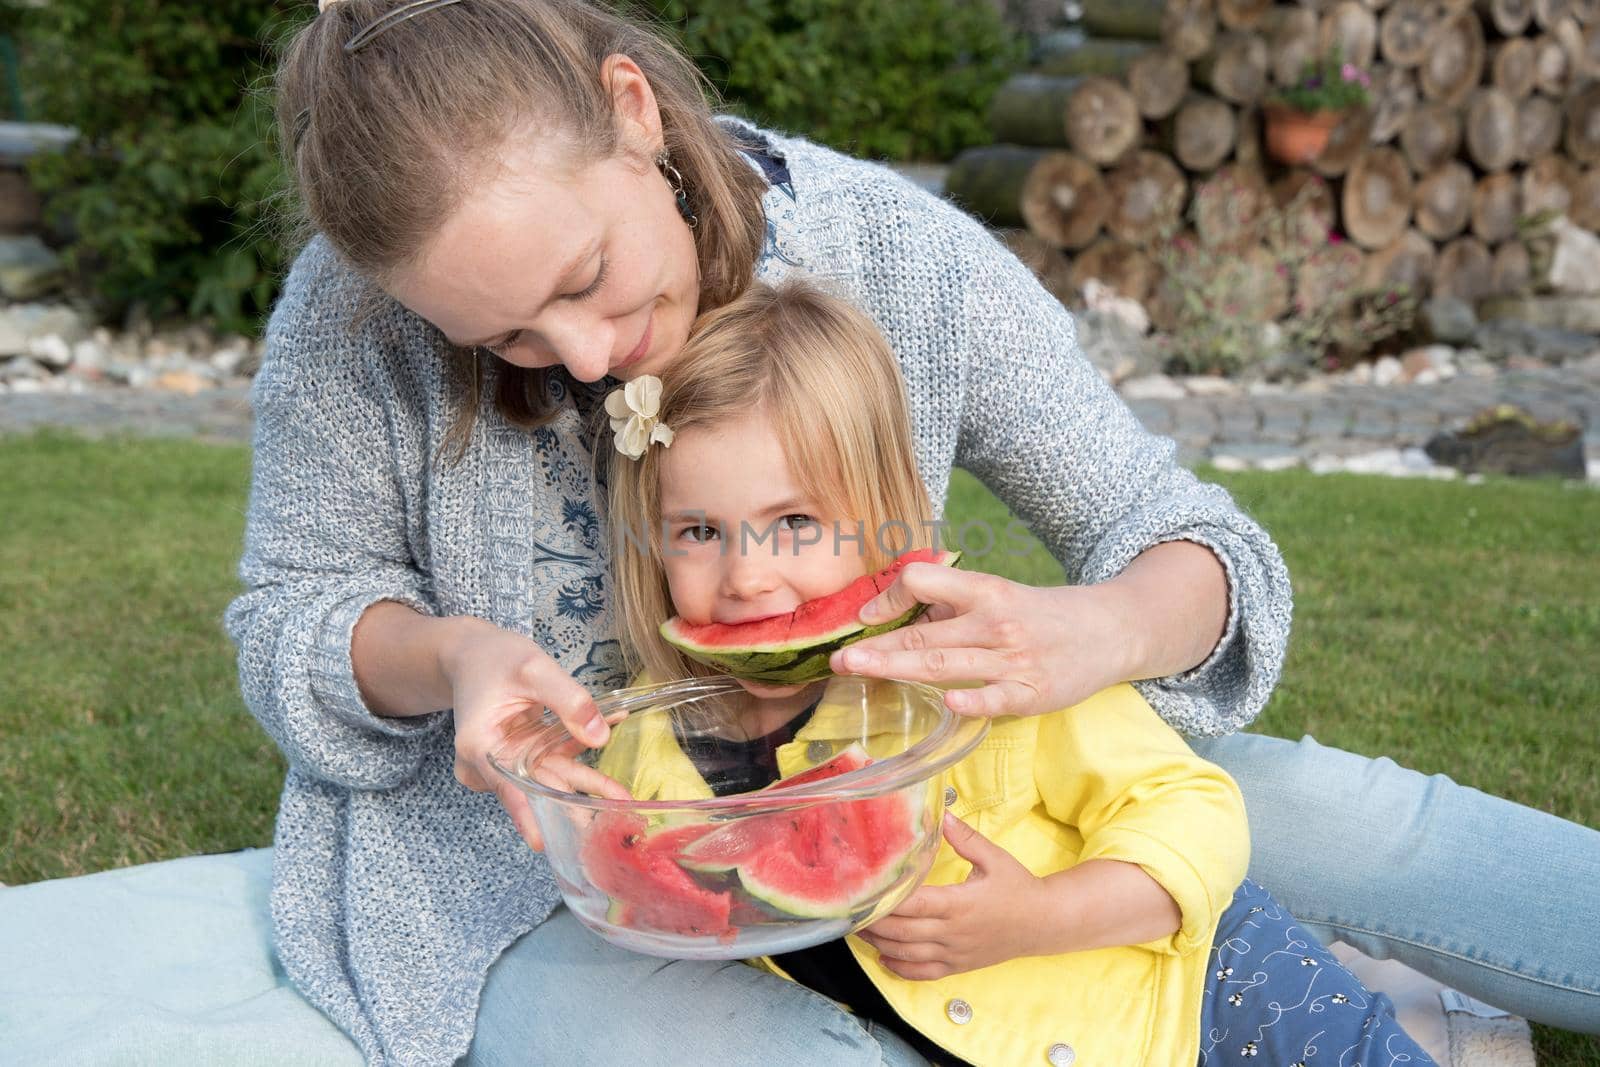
[1005, 697]
[521, 812]
[932, 584]
[571, 703]
[969, 630]
[936, 665]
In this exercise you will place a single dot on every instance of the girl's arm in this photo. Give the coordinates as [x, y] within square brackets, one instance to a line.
[1164, 845]
[1102, 904]
[1138, 796]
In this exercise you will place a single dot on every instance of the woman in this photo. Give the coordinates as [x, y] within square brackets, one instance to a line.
[520, 202]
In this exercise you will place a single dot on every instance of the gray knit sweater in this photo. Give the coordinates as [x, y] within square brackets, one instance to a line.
[394, 887]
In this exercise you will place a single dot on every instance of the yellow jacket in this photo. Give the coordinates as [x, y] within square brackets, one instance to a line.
[1106, 779]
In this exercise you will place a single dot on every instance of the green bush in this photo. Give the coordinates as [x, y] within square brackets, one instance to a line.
[167, 200]
[162, 201]
[895, 79]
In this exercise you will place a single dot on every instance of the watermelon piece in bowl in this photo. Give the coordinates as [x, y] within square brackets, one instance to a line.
[793, 649]
[824, 861]
[686, 874]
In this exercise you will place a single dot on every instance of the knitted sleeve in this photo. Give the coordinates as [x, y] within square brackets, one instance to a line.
[1054, 442]
[325, 538]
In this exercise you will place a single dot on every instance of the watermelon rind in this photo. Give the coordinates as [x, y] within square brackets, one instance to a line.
[837, 896]
[759, 848]
[793, 662]
[725, 847]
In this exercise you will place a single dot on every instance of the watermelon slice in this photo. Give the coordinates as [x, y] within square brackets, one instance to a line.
[823, 861]
[793, 649]
[639, 871]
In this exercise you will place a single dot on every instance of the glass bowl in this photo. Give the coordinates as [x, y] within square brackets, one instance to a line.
[696, 832]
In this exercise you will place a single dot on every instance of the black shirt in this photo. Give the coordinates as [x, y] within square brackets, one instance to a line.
[829, 968]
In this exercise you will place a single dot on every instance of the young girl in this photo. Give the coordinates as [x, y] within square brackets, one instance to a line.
[1068, 917]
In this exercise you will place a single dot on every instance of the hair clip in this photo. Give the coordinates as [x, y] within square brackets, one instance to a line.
[634, 411]
[390, 19]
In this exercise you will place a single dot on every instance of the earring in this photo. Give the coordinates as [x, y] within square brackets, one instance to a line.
[675, 182]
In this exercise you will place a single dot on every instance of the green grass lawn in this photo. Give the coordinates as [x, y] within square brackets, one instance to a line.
[1451, 627]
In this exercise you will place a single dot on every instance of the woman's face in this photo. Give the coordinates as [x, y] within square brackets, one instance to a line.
[550, 260]
[741, 540]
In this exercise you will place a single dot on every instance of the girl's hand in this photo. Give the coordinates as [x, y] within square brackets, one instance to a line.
[501, 682]
[946, 929]
[1040, 649]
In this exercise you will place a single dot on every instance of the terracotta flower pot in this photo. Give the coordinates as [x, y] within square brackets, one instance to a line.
[1298, 137]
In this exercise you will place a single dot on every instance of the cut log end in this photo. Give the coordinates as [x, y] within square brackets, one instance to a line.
[1064, 200]
[1377, 198]
[1103, 122]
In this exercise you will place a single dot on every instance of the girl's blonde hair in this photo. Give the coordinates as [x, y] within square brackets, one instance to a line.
[820, 374]
[383, 144]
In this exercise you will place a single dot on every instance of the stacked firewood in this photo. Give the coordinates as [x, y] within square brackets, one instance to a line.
[1484, 113]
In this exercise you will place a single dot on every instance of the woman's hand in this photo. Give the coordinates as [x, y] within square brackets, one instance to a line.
[1040, 649]
[946, 929]
[501, 682]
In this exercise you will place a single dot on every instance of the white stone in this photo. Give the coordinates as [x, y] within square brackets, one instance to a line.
[20, 324]
[1426, 377]
[27, 385]
[1229, 463]
[1266, 388]
[1152, 387]
[1575, 263]
[23, 369]
[1098, 296]
[13, 341]
[229, 358]
[1386, 371]
[88, 355]
[1360, 374]
[52, 350]
[1208, 385]
[1287, 461]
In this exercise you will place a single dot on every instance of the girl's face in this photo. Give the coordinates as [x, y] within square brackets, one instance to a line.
[549, 261]
[741, 540]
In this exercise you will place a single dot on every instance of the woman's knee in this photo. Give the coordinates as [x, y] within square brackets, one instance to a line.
[562, 995]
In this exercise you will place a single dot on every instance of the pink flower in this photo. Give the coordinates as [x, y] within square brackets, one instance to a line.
[1349, 72]
[1334, 238]
[1283, 272]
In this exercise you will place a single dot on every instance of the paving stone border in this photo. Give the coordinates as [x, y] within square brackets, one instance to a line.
[1321, 425]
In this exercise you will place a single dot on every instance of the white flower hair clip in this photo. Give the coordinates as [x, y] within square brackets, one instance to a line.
[633, 410]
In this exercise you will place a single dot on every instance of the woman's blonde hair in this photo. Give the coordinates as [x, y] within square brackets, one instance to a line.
[823, 377]
[382, 144]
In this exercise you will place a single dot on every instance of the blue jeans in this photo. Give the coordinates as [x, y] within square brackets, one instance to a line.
[1497, 900]
[562, 995]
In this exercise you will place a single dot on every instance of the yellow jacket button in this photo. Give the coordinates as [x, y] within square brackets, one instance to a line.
[949, 795]
[1061, 1055]
[960, 1011]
